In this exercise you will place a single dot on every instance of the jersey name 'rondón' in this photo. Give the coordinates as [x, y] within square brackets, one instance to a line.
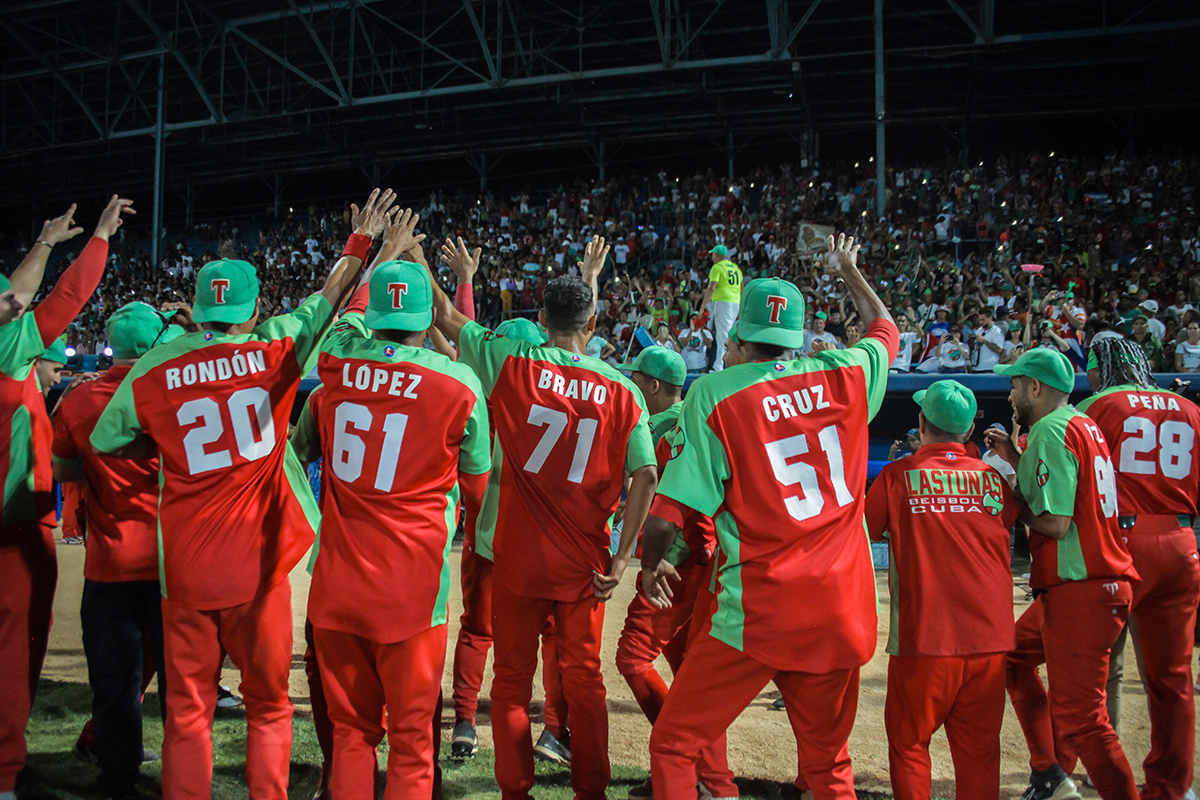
[946, 518]
[395, 426]
[235, 509]
[1152, 437]
[775, 452]
[568, 430]
[1066, 470]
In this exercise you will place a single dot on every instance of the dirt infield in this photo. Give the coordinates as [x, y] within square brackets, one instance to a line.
[760, 742]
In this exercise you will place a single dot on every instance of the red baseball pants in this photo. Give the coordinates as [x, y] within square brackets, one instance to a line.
[362, 679]
[316, 697]
[964, 694]
[1164, 554]
[28, 575]
[578, 626]
[258, 638]
[475, 639]
[1071, 628]
[714, 685]
[651, 631]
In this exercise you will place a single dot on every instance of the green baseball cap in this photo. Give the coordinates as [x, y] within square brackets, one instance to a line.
[520, 328]
[226, 291]
[822, 315]
[771, 312]
[5, 283]
[948, 405]
[56, 352]
[401, 297]
[1042, 364]
[133, 329]
[662, 363]
[720, 250]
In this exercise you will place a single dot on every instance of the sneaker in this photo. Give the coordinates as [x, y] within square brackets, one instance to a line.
[549, 748]
[72, 540]
[463, 742]
[1191, 795]
[84, 753]
[643, 791]
[778, 705]
[226, 698]
[1053, 784]
[148, 755]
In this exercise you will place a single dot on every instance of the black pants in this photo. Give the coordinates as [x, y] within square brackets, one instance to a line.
[117, 620]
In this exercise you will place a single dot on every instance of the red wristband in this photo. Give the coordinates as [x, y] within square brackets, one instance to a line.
[358, 246]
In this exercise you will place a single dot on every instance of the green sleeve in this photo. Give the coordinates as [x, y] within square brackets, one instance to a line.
[306, 439]
[303, 326]
[1048, 472]
[485, 352]
[474, 455]
[119, 424]
[871, 356]
[698, 469]
[20, 345]
[639, 450]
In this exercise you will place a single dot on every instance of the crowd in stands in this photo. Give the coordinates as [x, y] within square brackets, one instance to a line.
[1116, 238]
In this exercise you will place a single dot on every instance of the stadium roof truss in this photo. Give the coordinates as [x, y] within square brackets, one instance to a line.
[241, 88]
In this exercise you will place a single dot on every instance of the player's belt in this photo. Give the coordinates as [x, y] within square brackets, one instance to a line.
[1185, 520]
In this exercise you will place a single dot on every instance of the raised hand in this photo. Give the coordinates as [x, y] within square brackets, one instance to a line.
[463, 263]
[60, 229]
[843, 254]
[370, 221]
[398, 236]
[593, 258]
[180, 314]
[110, 219]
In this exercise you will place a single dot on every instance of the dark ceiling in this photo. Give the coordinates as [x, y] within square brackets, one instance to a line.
[258, 88]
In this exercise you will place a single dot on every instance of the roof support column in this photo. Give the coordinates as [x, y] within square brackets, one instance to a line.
[159, 133]
[880, 149]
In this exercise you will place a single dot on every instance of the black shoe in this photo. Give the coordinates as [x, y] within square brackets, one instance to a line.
[463, 742]
[778, 705]
[556, 751]
[1052, 784]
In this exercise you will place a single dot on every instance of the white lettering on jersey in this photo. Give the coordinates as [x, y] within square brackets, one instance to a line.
[373, 379]
[1154, 402]
[806, 400]
[573, 389]
[216, 369]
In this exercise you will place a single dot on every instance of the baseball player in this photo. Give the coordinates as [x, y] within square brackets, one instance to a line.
[475, 625]
[724, 291]
[1152, 435]
[788, 514]
[403, 434]
[946, 517]
[50, 366]
[568, 430]
[1081, 574]
[121, 612]
[28, 566]
[235, 510]
[651, 631]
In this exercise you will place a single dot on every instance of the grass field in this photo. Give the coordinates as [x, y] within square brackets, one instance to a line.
[62, 708]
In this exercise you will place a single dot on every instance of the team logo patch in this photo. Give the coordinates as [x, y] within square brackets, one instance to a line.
[992, 504]
[776, 304]
[778, 367]
[389, 351]
[397, 291]
[219, 287]
[951, 457]
[490, 335]
[576, 359]
[208, 337]
[1043, 473]
[678, 440]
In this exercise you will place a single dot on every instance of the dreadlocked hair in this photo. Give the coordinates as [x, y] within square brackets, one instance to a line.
[1121, 361]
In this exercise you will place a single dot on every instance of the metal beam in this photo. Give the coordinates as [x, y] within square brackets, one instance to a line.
[800, 26]
[283, 62]
[965, 17]
[312, 33]
[183, 62]
[488, 59]
[880, 115]
[53, 70]
[1088, 33]
[159, 134]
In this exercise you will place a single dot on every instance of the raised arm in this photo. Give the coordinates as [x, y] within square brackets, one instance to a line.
[842, 262]
[593, 262]
[27, 277]
[369, 222]
[449, 320]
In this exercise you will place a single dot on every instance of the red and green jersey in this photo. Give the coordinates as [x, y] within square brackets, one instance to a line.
[395, 426]
[25, 433]
[122, 494]
[776, 453]
[1152, 437]
[235, 509]
[699, 538]
[946, 518]
[1066, 470]
[568, 430]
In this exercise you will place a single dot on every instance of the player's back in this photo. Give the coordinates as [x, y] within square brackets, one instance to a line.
[568, 429]
[122, 499]
[1151, 434]
[394, 425]
[946, 517]
[236, 513]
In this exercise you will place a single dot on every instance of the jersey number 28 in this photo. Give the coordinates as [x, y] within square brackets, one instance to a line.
[1172, 439]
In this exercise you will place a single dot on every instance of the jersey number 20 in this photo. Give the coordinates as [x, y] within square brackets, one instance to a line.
[240, 405]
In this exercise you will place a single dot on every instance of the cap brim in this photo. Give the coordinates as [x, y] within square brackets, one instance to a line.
[919, 396]
[398, 320]
[231, 314]
[1007, 369]
[769, 334]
